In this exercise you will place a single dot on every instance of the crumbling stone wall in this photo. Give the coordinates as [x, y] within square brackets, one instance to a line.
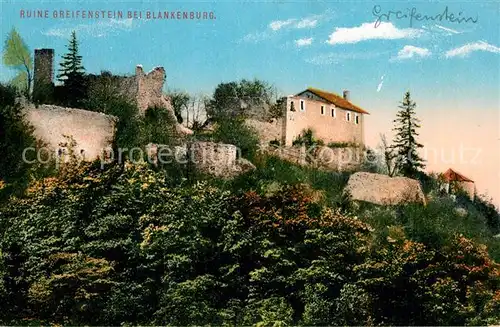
[150, 88]
[217, 159]
[43, 74]
[92, 131]
[267, 131]
[44, 66]
[146, 90]
[213, 157]
[325, 158]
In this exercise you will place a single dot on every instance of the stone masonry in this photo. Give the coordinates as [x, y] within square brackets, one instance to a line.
[145, 89]
[217, 159]
[43, 73]
[44, 66]
[92, 131]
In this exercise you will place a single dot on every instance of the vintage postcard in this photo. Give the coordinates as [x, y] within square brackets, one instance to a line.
[249, 163]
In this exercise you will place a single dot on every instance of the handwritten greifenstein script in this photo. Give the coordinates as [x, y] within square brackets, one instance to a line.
[413, 15]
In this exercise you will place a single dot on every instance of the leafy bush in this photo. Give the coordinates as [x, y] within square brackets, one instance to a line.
[272, 170]
[334, 145]
[275, 143]
[244, 98]
[15, 136]
[434, 225]
[235, 131]
[307, 138]
[158, 126]
[127, 245]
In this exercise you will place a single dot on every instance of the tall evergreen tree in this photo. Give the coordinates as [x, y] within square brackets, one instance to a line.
[405, 144]
[72, 74]
[71, 66]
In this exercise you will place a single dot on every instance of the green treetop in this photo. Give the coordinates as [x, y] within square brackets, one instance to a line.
[71, 65]
[405, 143]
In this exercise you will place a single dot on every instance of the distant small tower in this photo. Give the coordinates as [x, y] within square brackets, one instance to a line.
[43, 74]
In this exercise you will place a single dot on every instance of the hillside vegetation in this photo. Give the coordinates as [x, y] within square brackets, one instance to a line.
[131, 244]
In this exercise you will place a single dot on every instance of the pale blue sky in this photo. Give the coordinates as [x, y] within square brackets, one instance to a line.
[243, 42]
[451, 69]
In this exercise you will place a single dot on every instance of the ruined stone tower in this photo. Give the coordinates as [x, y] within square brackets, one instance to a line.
[43, 74]
[44, 66]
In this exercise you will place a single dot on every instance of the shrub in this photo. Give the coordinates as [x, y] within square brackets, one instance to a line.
[271, 169]
[235, 131]
[15, 136]
[307, 138]
[275, 143]
[126, 245]
[158, 126]
[334, 145]
[105, 95]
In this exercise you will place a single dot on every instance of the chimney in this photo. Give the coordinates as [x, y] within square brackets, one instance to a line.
[347, 95]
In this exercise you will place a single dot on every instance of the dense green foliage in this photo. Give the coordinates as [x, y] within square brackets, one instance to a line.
[180, 102]
[308, 139]
[158, 126]
[127, 244]
[235, 131]
[242, 98]
[15, 136]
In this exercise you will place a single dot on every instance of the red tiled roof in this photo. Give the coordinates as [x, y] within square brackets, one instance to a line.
[451, 176]
[336, 100]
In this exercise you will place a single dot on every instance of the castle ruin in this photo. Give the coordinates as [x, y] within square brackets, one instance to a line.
[92, 131]
[143, 89]
[43, 73]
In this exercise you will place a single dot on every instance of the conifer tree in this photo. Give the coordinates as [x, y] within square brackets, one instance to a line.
[405, 144]
[72, 74]
[71, 66]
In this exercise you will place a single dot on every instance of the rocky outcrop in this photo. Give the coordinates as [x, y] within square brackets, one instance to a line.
[320, 157]
[384, 190]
